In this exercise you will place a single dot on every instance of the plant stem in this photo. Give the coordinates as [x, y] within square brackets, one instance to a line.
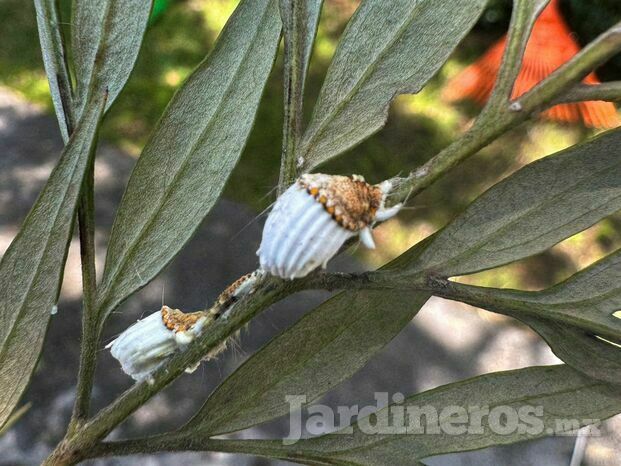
[493, 120]
[293, 85]
[524, 15]
[300, 19]
[81, 440]
[88, 347]
[85, 442]
[610, 91]
[185, 442]
[86, 227]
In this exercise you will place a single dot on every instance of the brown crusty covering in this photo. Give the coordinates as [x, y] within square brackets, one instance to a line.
[351, 201]
[179, 321]
[228, 294]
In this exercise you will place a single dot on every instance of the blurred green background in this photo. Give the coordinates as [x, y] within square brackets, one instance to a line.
[181, 33]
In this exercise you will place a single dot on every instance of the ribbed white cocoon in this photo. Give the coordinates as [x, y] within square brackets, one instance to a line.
[299, 235]
[144, 346]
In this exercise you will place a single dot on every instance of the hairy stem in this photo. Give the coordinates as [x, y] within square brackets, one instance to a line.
[88, 347]
[610, 91]
[293, 83]
[185, 442]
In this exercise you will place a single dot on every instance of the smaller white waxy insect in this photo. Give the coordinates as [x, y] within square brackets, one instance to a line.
[314, 217]
[144, 346]
[147, 344]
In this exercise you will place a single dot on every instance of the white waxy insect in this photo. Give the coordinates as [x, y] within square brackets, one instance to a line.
[144, 346]
[314, 217]
[147, 344]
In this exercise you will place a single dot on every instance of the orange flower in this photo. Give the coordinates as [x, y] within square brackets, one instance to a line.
[551, 44]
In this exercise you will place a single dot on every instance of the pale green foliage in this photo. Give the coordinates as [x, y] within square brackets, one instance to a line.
[562, 392]
[185, 164]
[388, 48]
[31, 269]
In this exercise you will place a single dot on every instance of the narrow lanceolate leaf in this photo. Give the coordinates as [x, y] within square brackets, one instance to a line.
[31, 269]
[105, 38]
[522, 404]
[324, 348]
[388, 48]
[186, 163]
[533, 209]
[54, 59]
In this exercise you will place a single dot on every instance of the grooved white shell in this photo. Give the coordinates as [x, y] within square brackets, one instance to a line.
[144, 346]
[299, 235]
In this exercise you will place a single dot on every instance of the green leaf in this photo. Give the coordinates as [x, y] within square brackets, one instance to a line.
[186, 162]
[31, 269]
[105, 37]
[388, 48]
[322, 349]
[541, 204]
[54, 59]
[14, 418]
[561, 393]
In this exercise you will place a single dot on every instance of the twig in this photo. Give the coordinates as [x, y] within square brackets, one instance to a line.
[86, 221]
[293, 14]
[610, 91]
[525, 13]
[185, 442]
[89, 343]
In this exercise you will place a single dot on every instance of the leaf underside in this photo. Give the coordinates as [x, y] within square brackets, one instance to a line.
[105, 37]
[533, 209]
[562, 393]
[388, 48]
[185, 164]
[32, 267]
[321, 350]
